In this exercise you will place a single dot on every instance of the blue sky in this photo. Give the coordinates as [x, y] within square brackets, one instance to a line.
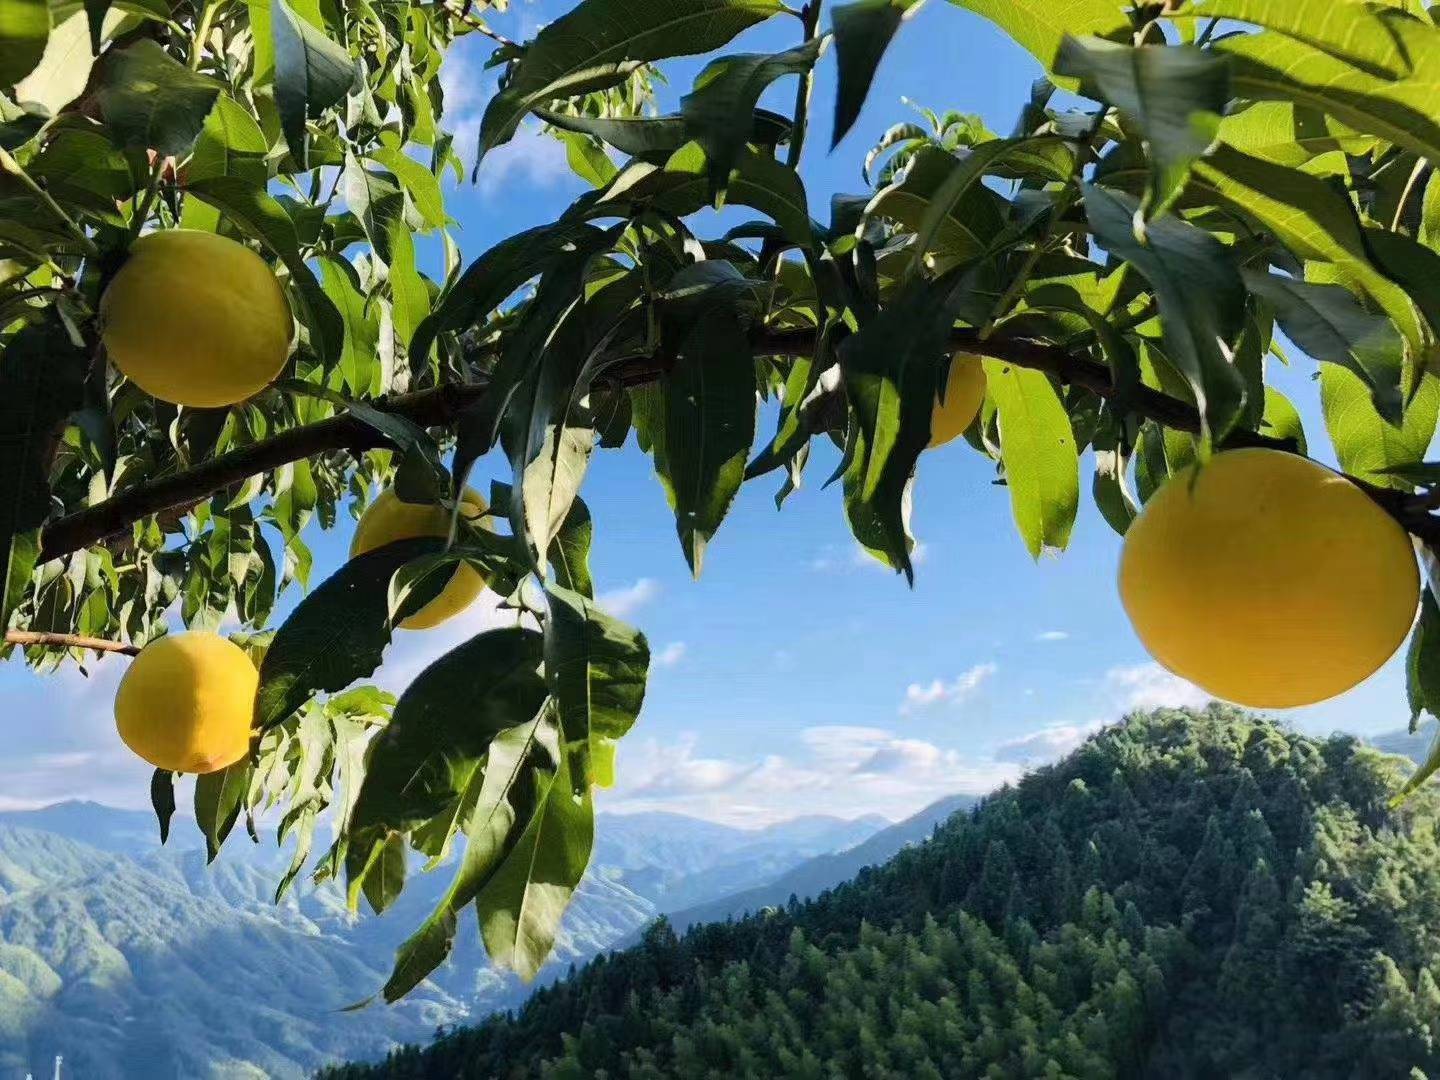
[795, 676]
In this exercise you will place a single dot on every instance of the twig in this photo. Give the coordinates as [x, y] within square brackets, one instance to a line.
[69, 641]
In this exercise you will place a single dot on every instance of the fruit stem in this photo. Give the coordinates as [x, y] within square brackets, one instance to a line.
[142, 212]
[14, 168]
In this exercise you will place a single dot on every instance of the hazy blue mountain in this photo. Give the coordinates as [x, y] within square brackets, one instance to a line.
[825, 871]
[137, 961]
[1401, 741]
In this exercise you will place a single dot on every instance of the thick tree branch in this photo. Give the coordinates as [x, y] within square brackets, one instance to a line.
[69, 641]
[429, 408]
[440, 407]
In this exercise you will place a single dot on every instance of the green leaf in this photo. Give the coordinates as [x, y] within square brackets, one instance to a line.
[1041, 25]
[1365, 444]
[1201, 297]
[972, 217]
[1400, 109]
[230, 144]
[374, 198]
[596, 667]
[1413, 266]
[261, 217]
[42, 380]
[680, 187]
[1173, 95]
[359, 365]
[587, 158]
[719, 112]
[495, 275]
[505, 787]
[570, 550]
[708, 408]
[219, 798]
[655, 138]
[152, 102]
[420, 182]
[1045, 157]
[1282, 420]
[1330, 325]
[384, 877]
[863, 32]
[443, 725]
[521, 905]
[1310, 218]
[162, 798]
[335, 635]
[892, 369]
[312, 73]
[1037, 445]
[1422, 671]
[409, 295]
[24, 29]
[1291, 135]
[598, 43]
[1351, 31]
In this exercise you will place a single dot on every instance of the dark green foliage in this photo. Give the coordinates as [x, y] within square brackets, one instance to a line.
[1189, 894]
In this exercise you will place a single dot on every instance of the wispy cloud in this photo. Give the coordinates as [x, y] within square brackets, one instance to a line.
[1053, 635]
[1047, 744]
[841, 769]
[1149, 686]
[628, 599]
[531, 159]
[671, 654]
[937, 691]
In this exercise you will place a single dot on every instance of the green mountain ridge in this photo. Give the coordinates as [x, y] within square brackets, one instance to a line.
[1189, 894]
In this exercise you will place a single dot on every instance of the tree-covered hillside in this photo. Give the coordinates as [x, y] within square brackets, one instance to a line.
[1187, 895]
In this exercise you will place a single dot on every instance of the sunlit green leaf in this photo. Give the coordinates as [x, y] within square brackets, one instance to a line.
[598, 43]
[1365, 444]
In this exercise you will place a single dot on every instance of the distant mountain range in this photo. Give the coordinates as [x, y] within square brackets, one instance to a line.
[135, 961]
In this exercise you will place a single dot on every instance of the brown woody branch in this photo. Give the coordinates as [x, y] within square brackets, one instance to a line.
[440, 407]
[69, 641]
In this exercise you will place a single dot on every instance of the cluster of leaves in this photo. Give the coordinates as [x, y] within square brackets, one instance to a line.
[1188, 178]
[1187, 895]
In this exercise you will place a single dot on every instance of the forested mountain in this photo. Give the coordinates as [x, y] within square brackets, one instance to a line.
[1187, 895]
[143, 963]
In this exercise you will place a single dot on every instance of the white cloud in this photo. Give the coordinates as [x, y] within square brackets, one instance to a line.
[531, 160]
[1047, 744]
[674, 769]
[671, 655]
[841, 769]
[923, 695]
[1149, 686]
[1053, 635]
[625, 601]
